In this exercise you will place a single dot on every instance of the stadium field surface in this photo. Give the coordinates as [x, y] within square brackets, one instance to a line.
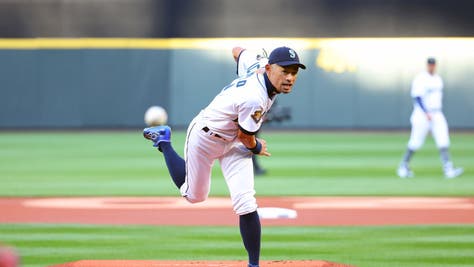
[47, 165]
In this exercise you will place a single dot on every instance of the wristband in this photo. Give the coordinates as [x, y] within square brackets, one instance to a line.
[257, 149]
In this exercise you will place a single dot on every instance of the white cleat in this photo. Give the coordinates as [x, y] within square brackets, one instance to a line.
[453, 173]
[404, 171]
[450, 172]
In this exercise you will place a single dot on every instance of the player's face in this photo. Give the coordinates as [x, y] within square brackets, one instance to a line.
[282, 78]
[431, 68]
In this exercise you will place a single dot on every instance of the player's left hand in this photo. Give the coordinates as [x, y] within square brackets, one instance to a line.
[264, 151]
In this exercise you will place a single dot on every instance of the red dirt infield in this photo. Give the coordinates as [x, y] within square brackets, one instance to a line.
[143, 263]
[311, 211]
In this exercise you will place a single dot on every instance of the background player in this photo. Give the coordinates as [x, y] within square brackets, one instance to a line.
[427, 93]
[225, 131]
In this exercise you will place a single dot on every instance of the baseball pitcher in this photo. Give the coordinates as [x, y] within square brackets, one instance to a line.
[225, 131]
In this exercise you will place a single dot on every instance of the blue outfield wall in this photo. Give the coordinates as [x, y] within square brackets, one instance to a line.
[80, 88]
[350, 83]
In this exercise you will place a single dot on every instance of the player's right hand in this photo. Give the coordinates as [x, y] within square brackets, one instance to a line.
[264, 151]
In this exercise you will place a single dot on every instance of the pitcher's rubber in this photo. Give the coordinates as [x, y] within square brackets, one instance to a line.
[148, 263]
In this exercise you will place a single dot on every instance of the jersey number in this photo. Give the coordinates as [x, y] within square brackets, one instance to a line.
[239, 84]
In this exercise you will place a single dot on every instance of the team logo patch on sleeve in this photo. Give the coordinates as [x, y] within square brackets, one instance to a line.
[257, 115]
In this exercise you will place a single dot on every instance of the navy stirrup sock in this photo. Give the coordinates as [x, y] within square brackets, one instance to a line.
[250, 230]
[176, 165]
[444, 154]
[407, 157]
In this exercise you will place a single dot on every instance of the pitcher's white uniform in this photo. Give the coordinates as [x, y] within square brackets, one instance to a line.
[430, 89]
[242, 103]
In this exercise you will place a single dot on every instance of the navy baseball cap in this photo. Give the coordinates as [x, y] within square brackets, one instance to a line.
[431, 60]
[285, 56]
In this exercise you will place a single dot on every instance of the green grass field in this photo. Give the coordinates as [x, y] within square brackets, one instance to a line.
[305, 163]
[418, 246]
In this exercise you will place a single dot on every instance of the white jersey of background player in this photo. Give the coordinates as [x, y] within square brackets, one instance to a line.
[427, 116]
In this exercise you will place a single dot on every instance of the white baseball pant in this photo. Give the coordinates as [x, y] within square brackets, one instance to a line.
[420, 126]
[201, 150]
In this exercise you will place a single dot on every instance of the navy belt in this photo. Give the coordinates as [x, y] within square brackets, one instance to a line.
[207, 130]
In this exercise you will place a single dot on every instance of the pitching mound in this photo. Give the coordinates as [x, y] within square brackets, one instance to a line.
[147, 263]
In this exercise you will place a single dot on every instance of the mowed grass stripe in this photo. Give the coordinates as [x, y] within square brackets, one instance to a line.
[362, 246]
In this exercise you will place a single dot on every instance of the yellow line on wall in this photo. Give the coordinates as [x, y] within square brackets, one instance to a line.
[126, 43]
[184, 43]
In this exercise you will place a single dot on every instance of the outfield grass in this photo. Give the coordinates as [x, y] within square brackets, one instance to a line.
[417, 246]
[123, 163]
